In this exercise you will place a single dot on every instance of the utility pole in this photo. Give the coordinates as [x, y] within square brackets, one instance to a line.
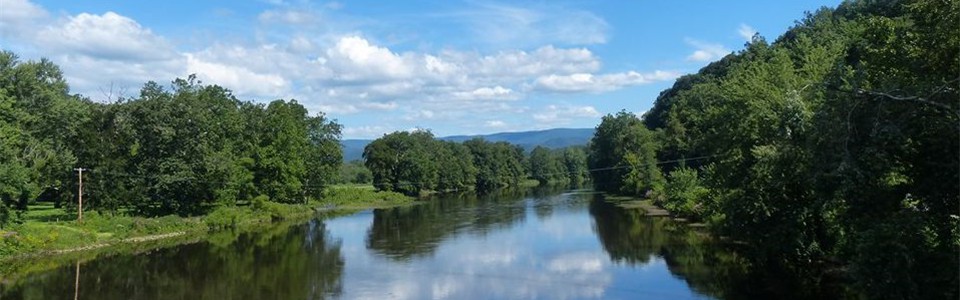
[80, 195]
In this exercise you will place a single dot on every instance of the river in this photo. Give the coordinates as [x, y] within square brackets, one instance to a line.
[532, 244]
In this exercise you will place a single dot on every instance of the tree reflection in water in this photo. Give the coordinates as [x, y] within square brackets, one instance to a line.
[415, 231]
[298, 262]
[708, 266]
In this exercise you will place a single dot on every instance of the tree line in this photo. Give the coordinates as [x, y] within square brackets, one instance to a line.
[836, 145]
[354, 172]
[567, 165]
[188, 148]
[182, 149]
[412, 162]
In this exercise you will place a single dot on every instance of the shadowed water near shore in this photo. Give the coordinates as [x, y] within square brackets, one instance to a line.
[531, 244]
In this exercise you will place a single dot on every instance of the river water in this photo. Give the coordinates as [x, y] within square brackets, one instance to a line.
[533, 244]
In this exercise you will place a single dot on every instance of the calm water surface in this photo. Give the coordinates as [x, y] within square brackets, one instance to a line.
[537, 244]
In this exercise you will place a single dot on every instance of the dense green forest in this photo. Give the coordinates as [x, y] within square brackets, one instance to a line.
[184, 149]
[559, 165]
[834, 147]
[414, 162]
[189, 148]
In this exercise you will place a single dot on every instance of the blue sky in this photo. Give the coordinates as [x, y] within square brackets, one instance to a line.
[455, 67]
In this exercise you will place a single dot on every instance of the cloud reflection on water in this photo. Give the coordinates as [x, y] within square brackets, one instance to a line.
[528, 254]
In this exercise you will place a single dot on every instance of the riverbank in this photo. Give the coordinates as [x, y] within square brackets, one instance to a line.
[48, 231]
[650, 208]
[630, 202]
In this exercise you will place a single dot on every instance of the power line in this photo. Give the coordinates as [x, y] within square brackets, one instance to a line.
[642, 165]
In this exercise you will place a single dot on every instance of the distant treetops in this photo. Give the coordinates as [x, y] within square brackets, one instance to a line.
[413, 162]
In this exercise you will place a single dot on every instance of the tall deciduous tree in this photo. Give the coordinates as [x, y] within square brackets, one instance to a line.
[622, 156]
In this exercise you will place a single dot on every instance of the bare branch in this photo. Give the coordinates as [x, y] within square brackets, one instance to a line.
[113, 93]
[922, 100]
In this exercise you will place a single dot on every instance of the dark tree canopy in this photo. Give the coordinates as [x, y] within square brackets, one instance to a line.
[834, 146]
[413, 162]
[183, 149]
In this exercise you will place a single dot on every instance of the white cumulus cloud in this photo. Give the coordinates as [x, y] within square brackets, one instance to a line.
[18, 16]
[585, 82]
[706, 51]
[746, 32]
[240, 79]
[495, 124]
[487, 93]
[106, 36]
[563, 114]
[365, 131]
[356, 59]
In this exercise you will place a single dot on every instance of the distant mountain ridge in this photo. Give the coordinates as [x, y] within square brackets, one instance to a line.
[551, 138]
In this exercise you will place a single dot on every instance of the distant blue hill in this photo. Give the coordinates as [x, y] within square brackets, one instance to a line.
[551, 138]
[353, 149]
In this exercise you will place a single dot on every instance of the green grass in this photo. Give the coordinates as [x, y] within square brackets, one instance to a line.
[244, 217]
[361, 198]
[529, 183]
[362, 186]
[46, 230]
[46, 212]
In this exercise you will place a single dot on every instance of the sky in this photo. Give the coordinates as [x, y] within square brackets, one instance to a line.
[454, 67]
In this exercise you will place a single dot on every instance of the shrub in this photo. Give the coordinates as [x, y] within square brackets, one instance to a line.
[259, 201]
[684, 193]
[347, 196]
[227, 217]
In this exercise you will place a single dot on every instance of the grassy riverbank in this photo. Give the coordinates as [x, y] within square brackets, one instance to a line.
[47, 231]
[649, 207]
